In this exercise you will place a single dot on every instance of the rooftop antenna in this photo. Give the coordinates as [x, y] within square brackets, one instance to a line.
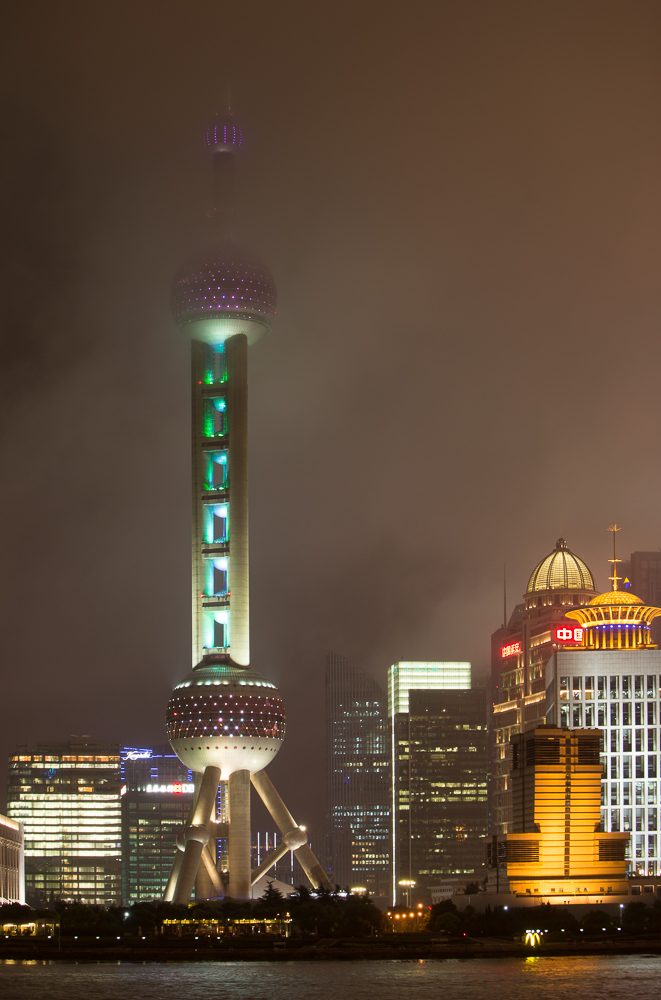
[614, 560]
[504, 595]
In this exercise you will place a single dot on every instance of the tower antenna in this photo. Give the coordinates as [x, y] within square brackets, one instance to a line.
[614, 560]
[504, 595]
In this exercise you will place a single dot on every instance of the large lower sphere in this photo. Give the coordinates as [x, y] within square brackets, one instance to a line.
[226, 716]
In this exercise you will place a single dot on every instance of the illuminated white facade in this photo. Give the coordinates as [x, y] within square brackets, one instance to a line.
[67, 796]
[617, 691]
[12, 864]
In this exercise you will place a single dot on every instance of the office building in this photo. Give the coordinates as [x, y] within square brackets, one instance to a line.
[447, 793]
[12, 862]
[519, 652]
[156, 796]
[358, 778]
[403, 678]
[67, 796]
[557, 847]
[225, 720]
[641, 575]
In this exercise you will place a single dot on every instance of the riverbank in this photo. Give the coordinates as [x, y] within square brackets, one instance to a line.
[150, 951]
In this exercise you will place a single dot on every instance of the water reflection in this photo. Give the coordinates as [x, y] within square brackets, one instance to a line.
[595, 977]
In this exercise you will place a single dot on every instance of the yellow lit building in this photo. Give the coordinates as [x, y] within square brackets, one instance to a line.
[557, 847]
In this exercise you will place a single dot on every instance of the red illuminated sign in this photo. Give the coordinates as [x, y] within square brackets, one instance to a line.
[514, 647]
[569, 636]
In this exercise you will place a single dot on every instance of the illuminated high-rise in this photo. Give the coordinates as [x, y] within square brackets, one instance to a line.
[405, 678]
[358, 778]
[67, 796]
[557, 847]
[225, 720]
[157, 792]
[520, 650]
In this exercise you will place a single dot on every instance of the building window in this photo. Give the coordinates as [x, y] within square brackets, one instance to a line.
[615, 821]
[589, 715]
[589, 688]
[615, 740]
[651, 713]
[615, 688]
[639, 681]
[626, 713]
[651, 740]
[626, 820]
[651, 686]
[615, 715]
[601, 688]
[640, 819]
[651, 821]
[640, 767]
[577, 716]
[615, 768]
[651, 767]
[577, 687]
[640, 717]
[626, 686]
[615, 795]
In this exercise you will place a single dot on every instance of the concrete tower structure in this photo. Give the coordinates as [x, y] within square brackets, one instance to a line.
[225, 721]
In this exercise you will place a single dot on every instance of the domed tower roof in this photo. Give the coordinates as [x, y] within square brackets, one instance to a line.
[561, 570]
[222, 291]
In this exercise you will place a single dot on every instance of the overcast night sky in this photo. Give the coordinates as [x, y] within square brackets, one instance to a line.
[460, 203]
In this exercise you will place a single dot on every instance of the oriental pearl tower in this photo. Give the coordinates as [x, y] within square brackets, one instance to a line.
[225, 721]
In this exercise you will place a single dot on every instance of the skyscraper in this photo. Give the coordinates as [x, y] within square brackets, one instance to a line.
[404, 678]
[67, 796]
[157, 792]
[358, 778]
[519, 652]
[225, 720]
[447, 793]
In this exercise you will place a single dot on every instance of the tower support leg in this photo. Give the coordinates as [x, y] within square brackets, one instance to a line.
[239, 835]
[197, 835]
[285, 821]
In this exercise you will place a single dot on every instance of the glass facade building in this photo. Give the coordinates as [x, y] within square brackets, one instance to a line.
[358, 778]
[404, 678]
[156, 795]
[618, 692]
[67, 796]
[445, 825]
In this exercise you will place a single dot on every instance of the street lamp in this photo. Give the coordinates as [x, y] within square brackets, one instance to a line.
[408, 883]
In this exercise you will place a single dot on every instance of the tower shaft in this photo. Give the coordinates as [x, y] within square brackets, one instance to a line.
[220, 550]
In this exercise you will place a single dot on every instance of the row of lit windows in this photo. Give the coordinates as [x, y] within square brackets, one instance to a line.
[633, 686]
[625, 766]
[639, 714]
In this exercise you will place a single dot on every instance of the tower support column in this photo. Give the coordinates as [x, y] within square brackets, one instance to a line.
[239, 835]
[197, 834]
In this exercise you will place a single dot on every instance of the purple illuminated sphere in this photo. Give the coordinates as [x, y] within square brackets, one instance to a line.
[224, 135]
[224, 282]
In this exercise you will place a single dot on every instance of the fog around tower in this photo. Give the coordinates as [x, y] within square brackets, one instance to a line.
[460, 206]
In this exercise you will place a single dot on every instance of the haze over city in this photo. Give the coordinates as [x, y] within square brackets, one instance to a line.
[460, 206]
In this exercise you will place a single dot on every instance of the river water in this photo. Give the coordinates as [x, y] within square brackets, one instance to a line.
[583, 977]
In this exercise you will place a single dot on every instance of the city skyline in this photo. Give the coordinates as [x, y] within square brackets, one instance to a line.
[461, 214]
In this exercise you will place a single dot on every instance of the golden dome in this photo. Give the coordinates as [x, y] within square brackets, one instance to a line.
[615, 597]
[561, 570]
